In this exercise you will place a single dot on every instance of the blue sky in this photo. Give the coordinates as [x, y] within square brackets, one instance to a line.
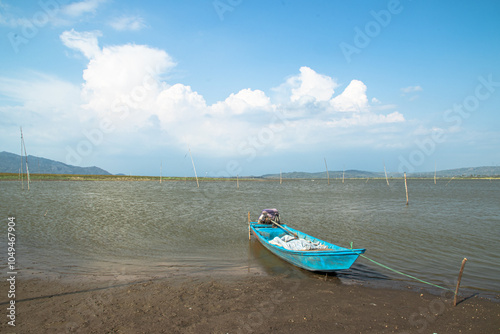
[252, 87]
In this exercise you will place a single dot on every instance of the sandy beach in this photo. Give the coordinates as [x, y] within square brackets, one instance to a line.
[241, 304]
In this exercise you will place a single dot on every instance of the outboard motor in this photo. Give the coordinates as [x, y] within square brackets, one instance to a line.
[268, 216]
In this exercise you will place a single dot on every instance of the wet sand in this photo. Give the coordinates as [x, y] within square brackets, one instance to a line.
[239, 304]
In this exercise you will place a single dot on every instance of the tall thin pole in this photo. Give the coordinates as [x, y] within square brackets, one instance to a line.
[21, 170]
[343, 174]
[386, 179]
[23, 145]
[459, 279]
[161, 166]
[406, 189]
[327, 175]
[249, 235]
[435, 171]
[194, 168]
[280, 177]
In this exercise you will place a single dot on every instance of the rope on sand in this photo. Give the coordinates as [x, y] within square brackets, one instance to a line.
[401, 273]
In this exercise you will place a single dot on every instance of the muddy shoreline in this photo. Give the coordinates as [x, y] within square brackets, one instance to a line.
[253, 303]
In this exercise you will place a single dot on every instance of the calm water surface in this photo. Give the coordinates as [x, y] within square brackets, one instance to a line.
[149, 229]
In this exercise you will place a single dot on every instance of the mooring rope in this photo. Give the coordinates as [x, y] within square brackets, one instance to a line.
[401, 273]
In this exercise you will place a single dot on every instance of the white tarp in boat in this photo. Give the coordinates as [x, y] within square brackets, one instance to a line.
[289, 242]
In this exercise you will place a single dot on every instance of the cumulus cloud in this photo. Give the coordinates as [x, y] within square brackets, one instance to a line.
[179, 103]
[241, 102]
[352, 99]
[127, 23]
[117, 70]
[85, 42]
[125, 86]
[310, 86]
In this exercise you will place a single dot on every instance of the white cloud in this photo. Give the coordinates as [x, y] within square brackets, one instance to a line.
[127, 23]
[39, 91]
[352, 99]
[179, 103]
[77, 9]
[310, 86]
[243, 101]
[411, 89]
[47, 12]
[123, 85]
[45, 106]
[85, 42]
[126, 73]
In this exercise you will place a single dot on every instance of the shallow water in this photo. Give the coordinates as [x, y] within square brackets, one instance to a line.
[148, 229]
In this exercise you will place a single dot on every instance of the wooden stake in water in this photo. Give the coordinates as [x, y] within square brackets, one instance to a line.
[459, 279]
[449, 181]
[194, 168]
[435, 171]
[386, 179]
[327, 175]
[23, 145]
[406, 188]
[343, 174]
[21, 169]
[249, 235]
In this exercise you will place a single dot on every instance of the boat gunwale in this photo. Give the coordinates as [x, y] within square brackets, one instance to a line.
[311, 252]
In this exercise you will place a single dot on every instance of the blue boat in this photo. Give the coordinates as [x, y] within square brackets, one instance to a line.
[327, 259]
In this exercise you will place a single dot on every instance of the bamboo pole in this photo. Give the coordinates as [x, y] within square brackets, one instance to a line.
[194, 168]
[285, 229]
[343, 174]
[21, 170]
[435, 171]
[249, 235]
[327, 175]
[449, 181]
[23, 145]
[459, 279]
[386, 179]
[406, 189]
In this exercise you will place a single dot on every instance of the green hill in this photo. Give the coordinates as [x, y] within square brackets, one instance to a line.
[11, 163]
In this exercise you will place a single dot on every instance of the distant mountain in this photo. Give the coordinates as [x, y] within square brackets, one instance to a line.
[322, 175]
[472, 171]
[11, 163]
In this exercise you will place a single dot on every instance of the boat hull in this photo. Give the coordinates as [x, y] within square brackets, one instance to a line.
[332, 259]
